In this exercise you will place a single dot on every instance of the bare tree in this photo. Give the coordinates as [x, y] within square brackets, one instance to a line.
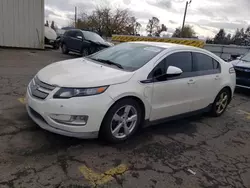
[160, 29]
[53, 26]
[153, 25]
[134, 26]
[47, 23]
[107, 22]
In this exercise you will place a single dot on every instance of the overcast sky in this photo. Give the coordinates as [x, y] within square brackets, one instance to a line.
[206, 16]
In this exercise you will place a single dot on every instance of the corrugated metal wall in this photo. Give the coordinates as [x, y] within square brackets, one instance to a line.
[22, 23]
[225, 51]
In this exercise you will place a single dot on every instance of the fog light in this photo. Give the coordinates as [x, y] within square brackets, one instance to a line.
[70, 119]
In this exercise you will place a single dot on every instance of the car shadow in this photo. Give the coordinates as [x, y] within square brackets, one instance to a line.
[56, 143]
[184, 126]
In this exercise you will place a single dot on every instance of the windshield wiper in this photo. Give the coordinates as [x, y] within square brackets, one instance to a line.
[108, 62]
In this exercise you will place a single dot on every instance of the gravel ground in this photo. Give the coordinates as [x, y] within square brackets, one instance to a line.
[195, 152]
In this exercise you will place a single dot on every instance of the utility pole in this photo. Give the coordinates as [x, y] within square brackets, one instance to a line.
[75, 17]
[184, 18]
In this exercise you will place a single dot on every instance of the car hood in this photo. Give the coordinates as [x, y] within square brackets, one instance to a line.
[240, 63]
[49, 33]
[103, 43]
[82, 72]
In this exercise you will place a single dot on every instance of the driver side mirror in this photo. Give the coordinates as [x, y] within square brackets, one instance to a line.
[173, 71]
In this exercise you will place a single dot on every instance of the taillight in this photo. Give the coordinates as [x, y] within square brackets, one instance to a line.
[231, 70]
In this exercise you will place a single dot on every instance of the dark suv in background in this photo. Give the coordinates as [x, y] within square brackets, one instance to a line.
[242, 69]
[83, 42]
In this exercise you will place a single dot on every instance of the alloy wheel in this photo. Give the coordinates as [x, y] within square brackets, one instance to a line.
[124, 121]
[222, 102]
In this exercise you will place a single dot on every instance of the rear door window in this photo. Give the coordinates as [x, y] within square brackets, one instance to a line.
[202, 62]
[205, 64]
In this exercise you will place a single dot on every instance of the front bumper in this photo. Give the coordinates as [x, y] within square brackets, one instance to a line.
[93, 106]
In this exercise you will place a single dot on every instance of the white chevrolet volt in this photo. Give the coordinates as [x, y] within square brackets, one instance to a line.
[112, 93]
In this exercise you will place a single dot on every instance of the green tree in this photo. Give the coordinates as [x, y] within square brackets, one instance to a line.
[247, 32]
[209, 41]
[188, 32]
[237, 37]
[220, 37]
[228, 38]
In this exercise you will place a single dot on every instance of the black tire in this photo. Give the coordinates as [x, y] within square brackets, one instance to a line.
[56, 46]
[64, 49]
[105, 131]
[85, 52]
[214, 111]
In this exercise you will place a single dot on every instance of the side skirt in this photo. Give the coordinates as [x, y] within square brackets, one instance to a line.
[148, 123]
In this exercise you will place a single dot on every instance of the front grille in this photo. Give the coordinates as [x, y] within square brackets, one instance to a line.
[37, 115]
[40, 89]
[242, 72]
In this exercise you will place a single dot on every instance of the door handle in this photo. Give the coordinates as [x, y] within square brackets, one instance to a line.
[191, 81]
[217, 77]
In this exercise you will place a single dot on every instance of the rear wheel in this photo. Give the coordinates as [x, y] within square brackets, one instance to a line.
[221, 102]
[121, 121]
[65, 49]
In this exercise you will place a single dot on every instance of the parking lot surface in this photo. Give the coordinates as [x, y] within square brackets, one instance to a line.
[194, 152]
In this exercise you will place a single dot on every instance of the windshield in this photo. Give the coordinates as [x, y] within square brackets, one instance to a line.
[92, 36]
[131, 56]
[246, 57]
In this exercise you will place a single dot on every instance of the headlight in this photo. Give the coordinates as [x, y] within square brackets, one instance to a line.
[79, 92]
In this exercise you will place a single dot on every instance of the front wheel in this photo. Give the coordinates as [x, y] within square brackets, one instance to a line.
[65, 49]
[85, 52]
[220, 103]
[121, 121]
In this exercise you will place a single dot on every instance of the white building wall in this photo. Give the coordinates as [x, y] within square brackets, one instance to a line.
[22, 23]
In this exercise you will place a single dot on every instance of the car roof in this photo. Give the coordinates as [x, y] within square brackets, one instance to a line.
[173, 46]
[166, 45]
[80, 30]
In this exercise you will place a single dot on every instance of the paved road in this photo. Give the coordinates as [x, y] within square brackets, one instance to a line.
[216, 150]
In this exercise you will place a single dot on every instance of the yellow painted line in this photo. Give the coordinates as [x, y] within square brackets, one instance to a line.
[100, 179]
[244, 113]
[22, 100]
